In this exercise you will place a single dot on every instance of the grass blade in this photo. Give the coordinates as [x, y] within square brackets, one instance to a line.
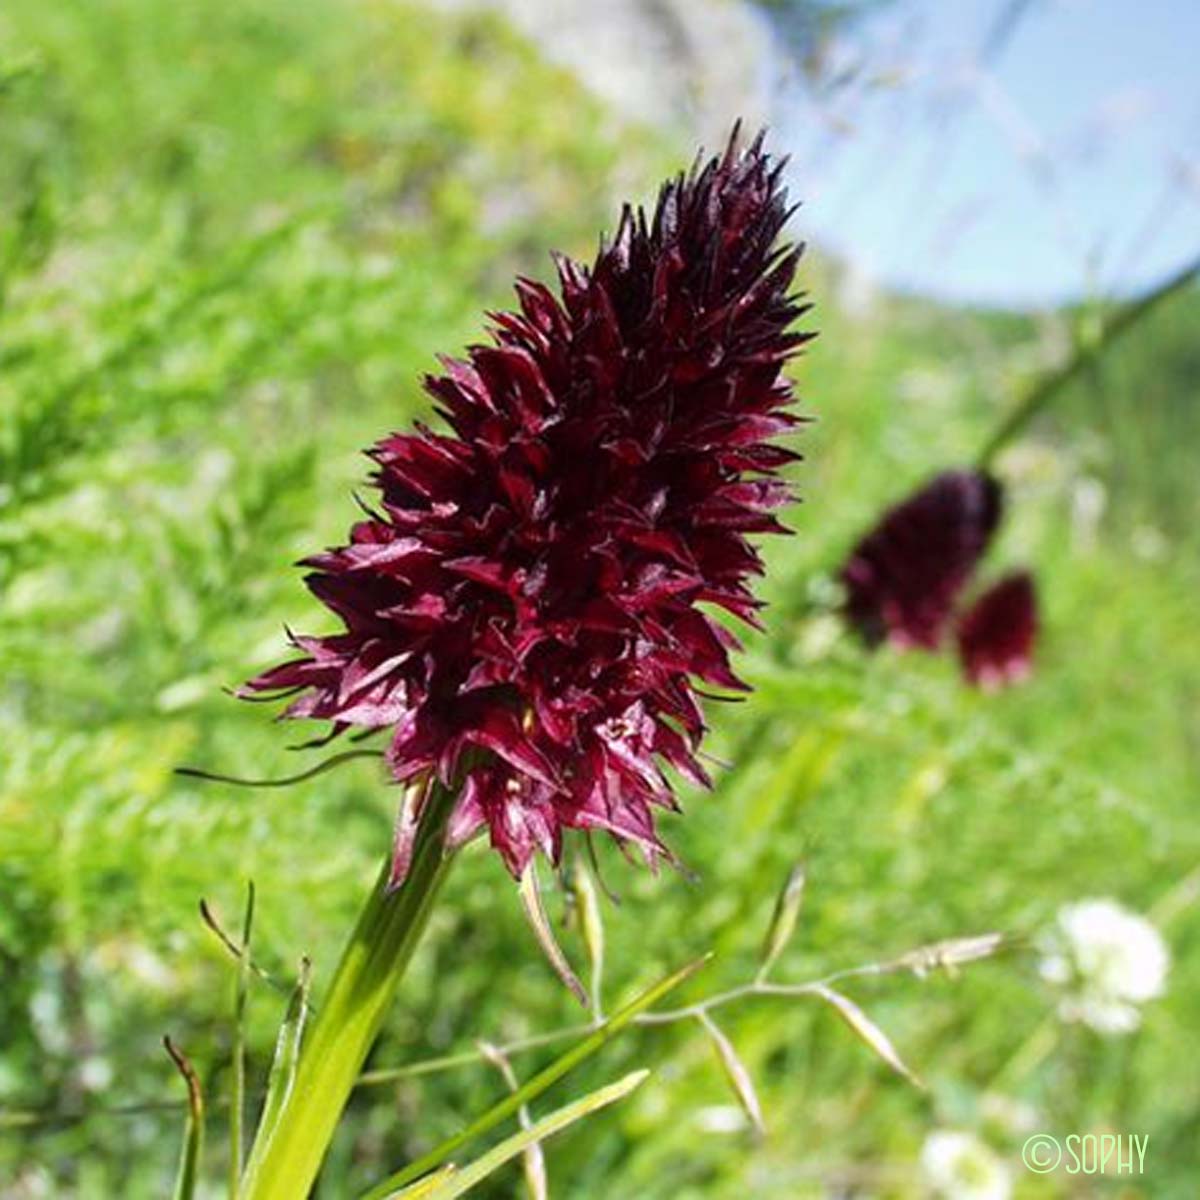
[467, 1177]
[283, 1067]
[423, 1189]
[539, 1083]
[237, 1102]
[1054, 382]
[193, 1136]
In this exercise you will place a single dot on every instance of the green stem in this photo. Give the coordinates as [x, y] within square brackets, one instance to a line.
[286, 1158]
[1051, 384]
[237, 1108]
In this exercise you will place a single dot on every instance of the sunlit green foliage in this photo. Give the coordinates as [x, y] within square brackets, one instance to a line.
[232, 236]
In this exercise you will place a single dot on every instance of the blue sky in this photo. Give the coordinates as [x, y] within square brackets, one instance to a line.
[1065, 163]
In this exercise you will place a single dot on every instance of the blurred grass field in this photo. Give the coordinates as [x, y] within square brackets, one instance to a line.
[232, 237]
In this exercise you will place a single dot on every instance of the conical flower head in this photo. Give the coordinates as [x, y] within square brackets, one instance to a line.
[528, 610]
[904, 576]
[996, 634]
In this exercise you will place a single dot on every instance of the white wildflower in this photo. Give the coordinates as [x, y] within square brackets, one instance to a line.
[1108, 961]
[958, 1166]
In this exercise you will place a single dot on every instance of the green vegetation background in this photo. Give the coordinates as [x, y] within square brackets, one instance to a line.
[232, 237]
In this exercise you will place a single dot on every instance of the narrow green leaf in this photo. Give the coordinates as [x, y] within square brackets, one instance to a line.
[238, 1098]
[467, 1177]
[1054, 382]
[283, 1066]
[539, 1083]
[193, 1135]
[423, 1189]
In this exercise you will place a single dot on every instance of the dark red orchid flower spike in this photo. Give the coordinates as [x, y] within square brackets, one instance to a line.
[997, 633]
[525, 610]
[903, 578]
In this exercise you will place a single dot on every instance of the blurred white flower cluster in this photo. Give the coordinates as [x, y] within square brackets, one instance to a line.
[959, 1166]
[1108, 961]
